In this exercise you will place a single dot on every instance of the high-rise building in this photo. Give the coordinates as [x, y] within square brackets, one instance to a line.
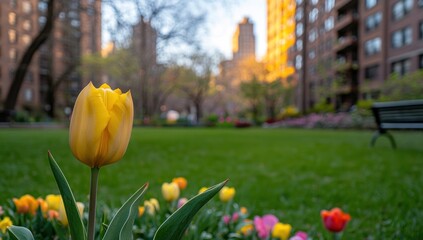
[346, 49]
[280, 38]
[77, 31]
[243, 41]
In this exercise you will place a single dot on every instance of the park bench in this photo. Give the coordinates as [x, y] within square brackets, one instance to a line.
[406, 114]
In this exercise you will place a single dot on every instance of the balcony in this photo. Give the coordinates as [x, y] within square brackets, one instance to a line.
[345, 42]
[346, 20]
[343, 66]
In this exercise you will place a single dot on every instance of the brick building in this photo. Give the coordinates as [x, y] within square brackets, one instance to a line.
[346, 49]
[77, 31]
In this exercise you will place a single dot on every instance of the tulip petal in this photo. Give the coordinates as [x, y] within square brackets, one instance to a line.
[88, 122]
[120, 127]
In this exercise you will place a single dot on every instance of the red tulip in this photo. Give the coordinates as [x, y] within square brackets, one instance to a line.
[335, 220]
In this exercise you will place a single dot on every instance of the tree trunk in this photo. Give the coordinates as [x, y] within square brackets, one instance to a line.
[13, 93]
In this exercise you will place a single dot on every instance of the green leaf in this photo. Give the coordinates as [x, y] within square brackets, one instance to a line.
[121, 225]
[174, 227]
[77, 229]
[20, 233]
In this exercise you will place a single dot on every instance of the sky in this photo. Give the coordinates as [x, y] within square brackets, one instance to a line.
[222, 23]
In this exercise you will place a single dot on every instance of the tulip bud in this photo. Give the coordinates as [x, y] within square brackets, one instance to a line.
[53, 201]
[101, 125]
[335, 220]
[226, 194]
[170, 191]
[281, 231]
[181, 181]
[203, 189]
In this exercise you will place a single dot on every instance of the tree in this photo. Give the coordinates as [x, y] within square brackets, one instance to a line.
[43, 35]
[407, 87]
[252, 91]
[194, 81]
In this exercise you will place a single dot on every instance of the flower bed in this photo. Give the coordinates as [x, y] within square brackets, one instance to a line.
[46, 217]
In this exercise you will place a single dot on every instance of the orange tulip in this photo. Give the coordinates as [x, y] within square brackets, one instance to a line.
[181, 181]
[26, 204]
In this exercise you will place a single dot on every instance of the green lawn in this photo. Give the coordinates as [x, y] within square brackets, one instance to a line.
[291, 173]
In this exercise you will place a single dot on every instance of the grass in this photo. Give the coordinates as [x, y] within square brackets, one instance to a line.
[289, 172]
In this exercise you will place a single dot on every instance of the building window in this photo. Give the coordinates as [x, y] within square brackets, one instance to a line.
[313, 15]
[314, 2]
[371, 72]
[298, 62]
[329, 23]
[371, 3]
[420, 3]
[299, 29]
[402, 37]
[299, 2]
[12, 18]
[421, 61]
[42, 6]
[401, 8]
[12, 36]
[373, 46]
[373, 21]
[299, 14]
[26, 39]
[329, 4]
[299, 45]
[401, 67]
[26, 25]
[13, 3]
[312, 54]
[42, 21]
[12, 53]
[312, 35]
[28, 95]
[26, 7]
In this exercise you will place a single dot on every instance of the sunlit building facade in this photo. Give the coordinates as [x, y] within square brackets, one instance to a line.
[280, 38]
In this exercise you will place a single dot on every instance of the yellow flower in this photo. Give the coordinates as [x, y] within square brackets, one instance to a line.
[141, 211]
[170, 191]
[247, 227]
[281, 231]
[62, 212]
[226, 194]
[26, 204]
[152, 206]
[181, 181]
[53, 201]
[203, 189]
[101, 125]
[5, 223]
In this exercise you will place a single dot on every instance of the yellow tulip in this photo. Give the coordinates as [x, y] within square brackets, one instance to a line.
[152, 206]
[281, 231]
[53, 201]
[101, 125]
[4, 224]
[62, 212]
[170, 191]
[226, 194]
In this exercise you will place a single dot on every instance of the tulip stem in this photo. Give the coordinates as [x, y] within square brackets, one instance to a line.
[93, 201]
